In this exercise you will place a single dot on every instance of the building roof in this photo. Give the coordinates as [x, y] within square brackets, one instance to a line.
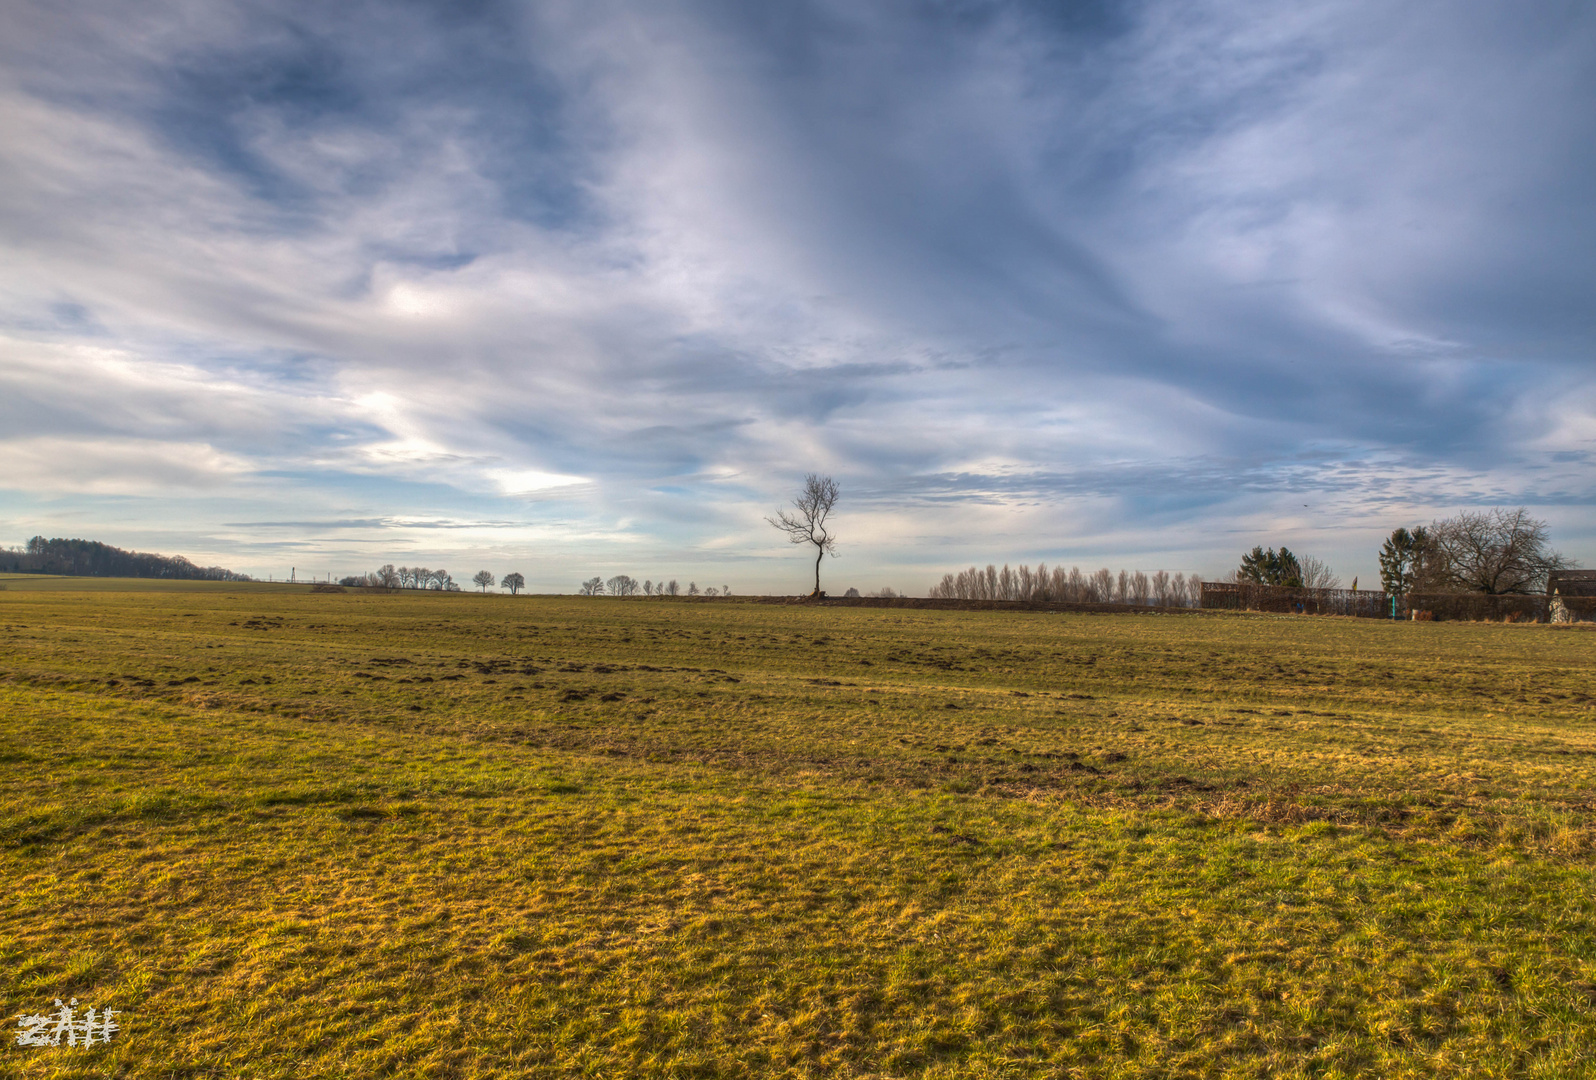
[1571, 582]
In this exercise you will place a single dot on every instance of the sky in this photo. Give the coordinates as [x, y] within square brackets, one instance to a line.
[588, 288]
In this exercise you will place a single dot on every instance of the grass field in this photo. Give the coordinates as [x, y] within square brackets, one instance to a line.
[325, 835]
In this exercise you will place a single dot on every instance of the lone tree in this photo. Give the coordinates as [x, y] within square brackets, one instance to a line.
[808, 524]
[483, 579]
[514, 582]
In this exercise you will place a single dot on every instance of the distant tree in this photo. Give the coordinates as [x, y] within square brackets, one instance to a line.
[692, 588]
[673, 589]
[1102, 586]
[482, 579]
[514, 582]
[807, 523]
[1270, 568]
[725, 590]
[1495, 551]
[648, 588]
[1162, 587]
[388, 578]
[441, 580]
[1316, 575]
[851, 592]
[1399, 558]
[593, 586]
[622, 585]
[352, 581]
[90, 558]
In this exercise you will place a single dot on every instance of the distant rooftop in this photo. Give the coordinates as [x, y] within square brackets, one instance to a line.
[1571, 582]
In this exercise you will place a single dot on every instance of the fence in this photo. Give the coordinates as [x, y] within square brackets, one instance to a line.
[1246, 596]
[1479, 607]
[1369, 604]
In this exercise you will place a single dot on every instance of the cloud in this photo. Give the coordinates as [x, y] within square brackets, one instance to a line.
[624, 271]
[116, 466]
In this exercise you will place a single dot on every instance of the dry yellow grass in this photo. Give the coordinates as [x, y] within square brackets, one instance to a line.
[357, 835]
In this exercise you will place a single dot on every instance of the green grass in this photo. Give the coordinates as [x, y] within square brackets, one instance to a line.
[326, 835]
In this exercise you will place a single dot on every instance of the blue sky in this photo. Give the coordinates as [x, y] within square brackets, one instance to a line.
[587, 288]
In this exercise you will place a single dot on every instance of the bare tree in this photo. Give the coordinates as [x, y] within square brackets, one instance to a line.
[1316, 575]
[1041, 583]
[692, 588]
[593, 586]
[1102, 586]
[1162, 588]
[483, 579]
[622, 585]
[808, 524]
[1497, 551]
[648, 587]
[672, 589]
[1139, 589]
[514, 582]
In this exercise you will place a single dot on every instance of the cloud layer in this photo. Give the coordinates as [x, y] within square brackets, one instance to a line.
[586, 288]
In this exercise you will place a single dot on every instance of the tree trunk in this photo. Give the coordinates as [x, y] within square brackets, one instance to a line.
[821, 554]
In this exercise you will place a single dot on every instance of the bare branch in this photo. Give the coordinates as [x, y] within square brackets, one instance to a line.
[807, 524]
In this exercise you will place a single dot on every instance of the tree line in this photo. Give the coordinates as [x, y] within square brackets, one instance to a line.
[403, 577]
[1159, 589]
[419, 577]
[1497, 552]
[90, 558]
[626, 585]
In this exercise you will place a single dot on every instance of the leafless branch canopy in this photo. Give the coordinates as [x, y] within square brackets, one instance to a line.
[807, 523]
[1496, 551]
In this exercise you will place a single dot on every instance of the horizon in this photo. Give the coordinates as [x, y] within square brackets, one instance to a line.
[575, 291]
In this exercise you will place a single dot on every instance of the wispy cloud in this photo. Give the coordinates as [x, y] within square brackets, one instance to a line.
[1119, 283]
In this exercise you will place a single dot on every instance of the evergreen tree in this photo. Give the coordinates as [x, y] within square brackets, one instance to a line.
[1400, 556]
[1271, 568]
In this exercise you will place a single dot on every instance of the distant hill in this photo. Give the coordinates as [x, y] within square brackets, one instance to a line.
[90, 558]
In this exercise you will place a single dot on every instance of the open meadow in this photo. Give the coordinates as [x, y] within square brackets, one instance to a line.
[302, 835]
